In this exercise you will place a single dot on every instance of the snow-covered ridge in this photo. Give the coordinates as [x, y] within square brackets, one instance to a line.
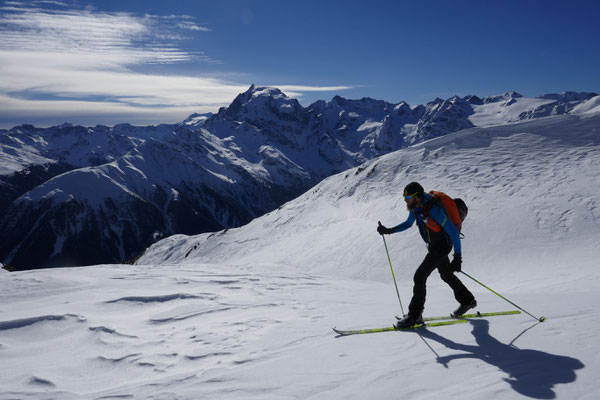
[592, 106]
[535, 182]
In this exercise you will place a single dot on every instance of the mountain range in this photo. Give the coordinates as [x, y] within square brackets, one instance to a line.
[74, 195]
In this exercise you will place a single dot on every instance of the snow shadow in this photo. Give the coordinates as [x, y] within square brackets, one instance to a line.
[532, 373]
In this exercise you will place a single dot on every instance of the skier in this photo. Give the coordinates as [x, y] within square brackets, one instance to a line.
[440, 237]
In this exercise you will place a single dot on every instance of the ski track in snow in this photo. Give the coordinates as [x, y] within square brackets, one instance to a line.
[247, 313]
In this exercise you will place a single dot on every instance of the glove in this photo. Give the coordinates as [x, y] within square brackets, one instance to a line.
[456, 263]
[382, 230]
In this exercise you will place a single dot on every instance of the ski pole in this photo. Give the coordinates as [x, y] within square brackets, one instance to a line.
[393, 276]
[540, 319]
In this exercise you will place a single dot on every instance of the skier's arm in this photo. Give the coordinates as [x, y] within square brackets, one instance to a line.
[406, 224]
[440, 216]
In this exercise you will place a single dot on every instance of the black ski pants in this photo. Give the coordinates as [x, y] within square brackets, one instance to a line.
[437, 257]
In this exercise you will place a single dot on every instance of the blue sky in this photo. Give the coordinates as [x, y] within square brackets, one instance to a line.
[149, 62]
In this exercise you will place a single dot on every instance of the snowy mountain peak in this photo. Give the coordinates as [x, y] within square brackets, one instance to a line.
[258, 101]
[267, 92]
[506, 97]
[365, 102]
[196, 119]
[402, 108]
[569, 96]
[474, 100]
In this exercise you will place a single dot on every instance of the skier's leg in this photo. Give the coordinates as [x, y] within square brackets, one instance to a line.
[461, 293]
[417, 303]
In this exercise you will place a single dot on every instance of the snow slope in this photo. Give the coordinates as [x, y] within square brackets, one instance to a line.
[535, 182]
[247, 313]
[508, 109]
[591, 106]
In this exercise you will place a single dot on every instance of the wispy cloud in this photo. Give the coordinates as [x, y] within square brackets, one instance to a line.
[192, 26]
[120, 38]
[59, 57]
[298, 90]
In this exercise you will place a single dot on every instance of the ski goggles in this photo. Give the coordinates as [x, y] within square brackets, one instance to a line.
[410, 196]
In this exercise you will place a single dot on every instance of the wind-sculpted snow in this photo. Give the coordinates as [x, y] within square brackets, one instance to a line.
[25, 322]
[212, 325]
[258, 331]
[155, 299]
[103, 329]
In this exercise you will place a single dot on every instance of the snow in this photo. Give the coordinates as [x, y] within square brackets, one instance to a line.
[591, 106]
[247, 313]
[92, 184]
[14, 160]
[197, 119]
[268, 92]
[369, 125]
[499, 113]
[512, 167]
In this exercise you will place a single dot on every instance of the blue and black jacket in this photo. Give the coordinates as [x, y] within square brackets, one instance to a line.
[432, 209]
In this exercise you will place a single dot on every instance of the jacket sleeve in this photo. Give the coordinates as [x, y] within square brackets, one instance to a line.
[406, 224]
[440, 216]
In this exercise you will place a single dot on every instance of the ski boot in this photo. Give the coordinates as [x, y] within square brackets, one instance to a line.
[463, 308]
[409, 322]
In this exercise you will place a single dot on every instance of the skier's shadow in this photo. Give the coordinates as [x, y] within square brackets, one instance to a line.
[532, 373]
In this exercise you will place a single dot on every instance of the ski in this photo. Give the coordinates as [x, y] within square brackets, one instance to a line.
[391, 328]
[476, 315]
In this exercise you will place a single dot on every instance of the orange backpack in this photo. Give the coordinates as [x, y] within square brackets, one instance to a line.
[456, 209]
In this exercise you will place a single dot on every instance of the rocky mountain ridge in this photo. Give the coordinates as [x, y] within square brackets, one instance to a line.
[73, 195]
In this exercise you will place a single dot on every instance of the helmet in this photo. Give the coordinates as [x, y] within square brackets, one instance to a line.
[414, 189]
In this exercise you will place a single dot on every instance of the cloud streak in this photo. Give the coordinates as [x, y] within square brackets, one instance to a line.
[83, 61]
